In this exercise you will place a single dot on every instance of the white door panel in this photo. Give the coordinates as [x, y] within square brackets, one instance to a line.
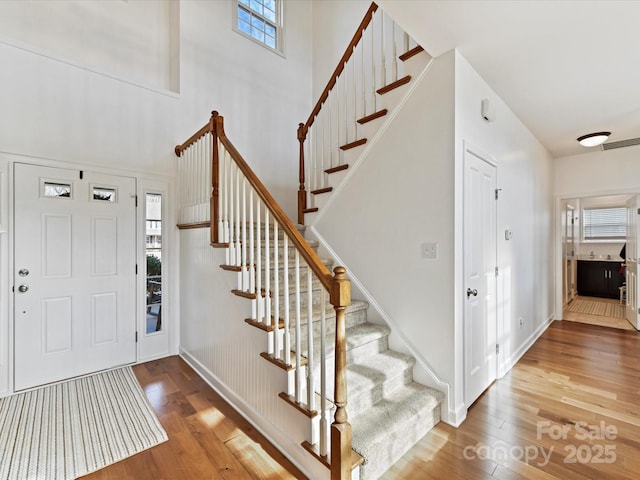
[631, 261]
[75, 236]
[480, 335]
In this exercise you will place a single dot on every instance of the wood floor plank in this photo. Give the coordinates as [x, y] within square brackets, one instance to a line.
[575, 372]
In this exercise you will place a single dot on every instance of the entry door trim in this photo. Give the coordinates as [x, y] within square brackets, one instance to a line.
[487, 159]
[131, 240]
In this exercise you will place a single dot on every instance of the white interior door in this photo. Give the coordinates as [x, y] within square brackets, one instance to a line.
[480, 321]
[74, 279]
[631, 261]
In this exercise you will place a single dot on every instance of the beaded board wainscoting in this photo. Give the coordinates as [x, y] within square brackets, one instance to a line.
[66, 430]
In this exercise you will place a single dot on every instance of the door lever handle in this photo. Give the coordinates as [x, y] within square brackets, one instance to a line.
[473, 292]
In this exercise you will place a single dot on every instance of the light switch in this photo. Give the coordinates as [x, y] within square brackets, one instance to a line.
[430, 250]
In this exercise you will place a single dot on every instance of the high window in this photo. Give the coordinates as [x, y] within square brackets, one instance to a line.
[604, 224]
[260, 20]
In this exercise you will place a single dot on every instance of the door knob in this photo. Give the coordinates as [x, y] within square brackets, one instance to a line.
[473, 292]
[23, 288]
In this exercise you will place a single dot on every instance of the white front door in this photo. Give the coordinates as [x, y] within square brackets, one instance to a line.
[631, 261]
[75, 278]
[480, 321]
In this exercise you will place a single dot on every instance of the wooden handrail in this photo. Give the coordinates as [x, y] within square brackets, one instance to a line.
[341, 64]
[314, 262]
[193, 139]
[337, 285]
[303, 128]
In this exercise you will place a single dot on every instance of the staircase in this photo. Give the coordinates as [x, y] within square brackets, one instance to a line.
[355, 107]
[389, 412]
[356, 399]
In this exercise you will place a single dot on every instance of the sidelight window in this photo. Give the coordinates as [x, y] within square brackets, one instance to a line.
[153, 209]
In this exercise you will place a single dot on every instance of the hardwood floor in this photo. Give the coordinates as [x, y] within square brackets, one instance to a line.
[207, 438]
[533, 423]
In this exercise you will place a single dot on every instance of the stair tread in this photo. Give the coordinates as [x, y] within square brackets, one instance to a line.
[310, 210]
[355, 306]
[339, 168]
[394, 411]
[357, 143]
[364, 333]
[373, 116]
[373, 370]
[394, 85]
[321, 190]
[410, 53]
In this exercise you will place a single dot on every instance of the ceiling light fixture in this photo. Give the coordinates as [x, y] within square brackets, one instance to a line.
[593, 139]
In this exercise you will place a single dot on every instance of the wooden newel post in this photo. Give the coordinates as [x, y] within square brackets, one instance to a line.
[340, 296]
[302, 194]
[216, 125]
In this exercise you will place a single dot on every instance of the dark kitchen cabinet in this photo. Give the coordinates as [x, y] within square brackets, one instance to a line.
[599, 279]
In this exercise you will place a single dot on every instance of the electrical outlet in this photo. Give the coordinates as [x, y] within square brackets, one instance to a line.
[430, 250]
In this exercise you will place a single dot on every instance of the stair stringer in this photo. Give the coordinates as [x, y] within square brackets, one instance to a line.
[423, 372]
[311, 219]
[225, 351]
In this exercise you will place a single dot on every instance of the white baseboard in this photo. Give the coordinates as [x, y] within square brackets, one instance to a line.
[510, 362]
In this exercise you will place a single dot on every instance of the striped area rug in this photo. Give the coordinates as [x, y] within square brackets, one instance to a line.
[595, 307]
[67, 430]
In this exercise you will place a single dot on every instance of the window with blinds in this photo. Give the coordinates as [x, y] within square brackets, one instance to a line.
[604, 224]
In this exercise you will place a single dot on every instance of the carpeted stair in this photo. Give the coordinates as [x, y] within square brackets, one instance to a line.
[389, 412]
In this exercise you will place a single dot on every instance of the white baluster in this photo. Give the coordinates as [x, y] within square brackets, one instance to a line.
[324, 420]
[373, 65]
[221, 170]
[232, 238]
[287, 334]
[260, 312]
[394, 51]
[299, 369]
[311, 398]
[383, 73]
[245, 273]
[354, 117]
[276, 295]
[252, 262]
[405, 42]
[363, 85]
[346, 107]
[238, 208]
[268, 273]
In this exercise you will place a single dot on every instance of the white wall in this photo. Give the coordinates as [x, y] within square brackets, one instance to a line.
[79, 32]
[598, 172]
[400, 196]
[525, 175]
[54, 108]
